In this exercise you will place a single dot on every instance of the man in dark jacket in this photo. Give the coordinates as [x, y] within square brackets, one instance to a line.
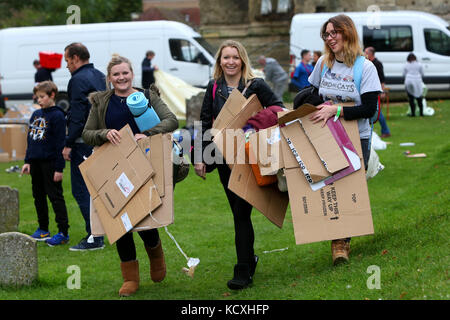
[148, 76]
[85, 79]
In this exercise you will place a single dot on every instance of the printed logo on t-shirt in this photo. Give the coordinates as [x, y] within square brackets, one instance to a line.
[37, 128]
[338, 87]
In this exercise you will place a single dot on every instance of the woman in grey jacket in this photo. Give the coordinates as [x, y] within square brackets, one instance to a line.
[109, 113]
[413, 73]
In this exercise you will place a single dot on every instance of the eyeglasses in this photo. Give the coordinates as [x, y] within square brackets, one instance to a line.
[332, 34]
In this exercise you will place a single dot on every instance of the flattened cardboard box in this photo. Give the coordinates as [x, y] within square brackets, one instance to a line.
[231, 143]
[118, 171]
[13, 141]
[337, 211]
[163, 214]
[317, 152]
[265, 146]
[230, 140]
[138, 204]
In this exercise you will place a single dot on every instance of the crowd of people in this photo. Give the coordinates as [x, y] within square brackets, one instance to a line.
[98, 110]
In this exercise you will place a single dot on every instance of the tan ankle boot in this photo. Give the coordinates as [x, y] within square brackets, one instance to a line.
[130, 273]
[340, 250]
[157, 262]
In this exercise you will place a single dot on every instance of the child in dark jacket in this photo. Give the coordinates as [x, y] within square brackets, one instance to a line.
[45, 163]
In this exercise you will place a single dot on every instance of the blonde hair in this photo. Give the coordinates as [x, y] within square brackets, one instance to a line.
[116, 60]
[247, 73]
[352, 47]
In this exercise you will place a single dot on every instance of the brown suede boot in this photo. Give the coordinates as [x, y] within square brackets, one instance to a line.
[340, 250]
[130, 273]
[157, 262]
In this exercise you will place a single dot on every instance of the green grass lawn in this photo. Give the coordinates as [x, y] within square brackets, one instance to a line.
[410, 208]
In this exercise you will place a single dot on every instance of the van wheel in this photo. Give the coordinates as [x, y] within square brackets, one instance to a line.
[62, 100]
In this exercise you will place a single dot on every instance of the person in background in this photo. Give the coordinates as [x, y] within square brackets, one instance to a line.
[233, 70]
[316, 56]
[275, 75]
[45, 163]
[413, 74]
[303, 70]
[370, 54]
[342, 49]
[85, 79]
[42, 74]
[108, 115]
[148, 76]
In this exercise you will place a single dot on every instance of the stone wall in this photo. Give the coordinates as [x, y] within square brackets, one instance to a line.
[269, 34]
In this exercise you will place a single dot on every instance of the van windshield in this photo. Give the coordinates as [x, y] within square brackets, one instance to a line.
[206, 45]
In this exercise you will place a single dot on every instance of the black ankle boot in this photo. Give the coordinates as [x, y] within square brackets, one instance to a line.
[242, 278]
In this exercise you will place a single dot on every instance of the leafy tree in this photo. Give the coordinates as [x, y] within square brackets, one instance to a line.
[15, 13]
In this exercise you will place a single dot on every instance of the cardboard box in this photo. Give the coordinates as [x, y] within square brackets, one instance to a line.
[336, 211]
[118, 171]
[107, 162]
[321, 156]
[154, 151]
[162, 214]
[265, 146]
[230, 140]
[13, 141]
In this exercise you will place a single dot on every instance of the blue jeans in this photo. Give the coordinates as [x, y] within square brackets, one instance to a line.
[383, 124]
[79, 189]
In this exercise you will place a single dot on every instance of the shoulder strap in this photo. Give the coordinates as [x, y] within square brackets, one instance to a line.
[358, 71]
[323, 68]
[214, 89]
[246, 86]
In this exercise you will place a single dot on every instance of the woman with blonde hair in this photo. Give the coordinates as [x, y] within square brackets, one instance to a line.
[109, 113]
[233, 70]
[342, 74]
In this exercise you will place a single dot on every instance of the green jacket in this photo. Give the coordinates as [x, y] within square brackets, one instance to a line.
[95, 130]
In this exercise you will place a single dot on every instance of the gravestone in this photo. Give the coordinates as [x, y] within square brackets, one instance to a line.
[18, 259]
[9, 209]
[193, 109]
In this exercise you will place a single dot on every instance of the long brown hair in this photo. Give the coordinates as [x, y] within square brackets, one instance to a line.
[247, 73]
[352, 47]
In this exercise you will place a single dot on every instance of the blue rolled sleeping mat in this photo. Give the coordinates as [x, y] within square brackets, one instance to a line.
[144, 115]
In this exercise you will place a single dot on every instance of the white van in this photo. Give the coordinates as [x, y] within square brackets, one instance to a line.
[179, 51]
[393, 34]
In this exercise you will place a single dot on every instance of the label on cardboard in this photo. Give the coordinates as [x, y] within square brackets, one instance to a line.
[299, 160]
[126, 222]
[124, 184]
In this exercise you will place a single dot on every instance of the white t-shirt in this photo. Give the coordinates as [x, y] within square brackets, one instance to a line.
[338, 86]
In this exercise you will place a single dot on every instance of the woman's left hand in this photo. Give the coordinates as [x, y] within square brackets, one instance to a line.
[139, 136]
[323, 113]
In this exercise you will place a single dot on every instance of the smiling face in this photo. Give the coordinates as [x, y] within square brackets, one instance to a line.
[336, 44]
[231, 62]
[121, 77]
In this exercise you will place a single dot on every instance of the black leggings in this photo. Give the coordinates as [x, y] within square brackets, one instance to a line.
[413, 106]
[127, 249]
[244, 236]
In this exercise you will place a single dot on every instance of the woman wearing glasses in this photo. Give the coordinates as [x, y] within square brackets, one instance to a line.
[334, 78]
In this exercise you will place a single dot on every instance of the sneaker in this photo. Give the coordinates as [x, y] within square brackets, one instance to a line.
[84, 245]
[41, 235]
[340, 250]
[57, 239]
[385, 135]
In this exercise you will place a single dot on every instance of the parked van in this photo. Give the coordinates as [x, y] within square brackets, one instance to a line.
[179, 51]
[393, 34]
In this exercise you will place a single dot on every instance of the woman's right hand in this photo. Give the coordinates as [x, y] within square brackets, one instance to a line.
[200, 170]
[113, 136]
[25, 169]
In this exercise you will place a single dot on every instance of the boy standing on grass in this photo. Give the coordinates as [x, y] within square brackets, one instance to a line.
[45, 162]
